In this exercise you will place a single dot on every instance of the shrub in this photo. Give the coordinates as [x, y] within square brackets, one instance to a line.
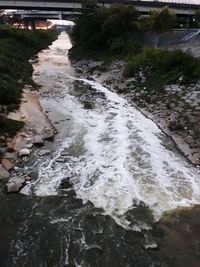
[162, 67]
[16, 47]
[10, 127]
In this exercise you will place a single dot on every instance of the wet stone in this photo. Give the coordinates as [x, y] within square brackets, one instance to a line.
[65, 184]
[43, 152]
[48, 134]
[195, 158]
[38, 140]
[64, 153]
[15, 184]
[7, 164]
[60, 160]
[4, 174]
[24, 152]
[10, 156]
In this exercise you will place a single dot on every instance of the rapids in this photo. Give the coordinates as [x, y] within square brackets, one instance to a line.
[109, 177]
[114, 156]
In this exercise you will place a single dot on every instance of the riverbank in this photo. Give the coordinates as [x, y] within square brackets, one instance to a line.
[23, 123]
[175, 109]
[37, 128]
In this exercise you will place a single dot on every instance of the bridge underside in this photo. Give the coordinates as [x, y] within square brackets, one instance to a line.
[70, 5]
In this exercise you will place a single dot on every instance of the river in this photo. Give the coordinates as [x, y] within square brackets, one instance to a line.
[108, 179]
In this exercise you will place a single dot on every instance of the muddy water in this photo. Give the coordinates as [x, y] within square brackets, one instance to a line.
[107, 180]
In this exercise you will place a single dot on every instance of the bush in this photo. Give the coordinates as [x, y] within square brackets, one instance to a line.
[16, 47]
[10, 127]
[105, 31]
[162, 67]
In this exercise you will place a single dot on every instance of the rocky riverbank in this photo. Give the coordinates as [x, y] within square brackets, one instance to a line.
[176, 109]
[21, 130]
[37, 129]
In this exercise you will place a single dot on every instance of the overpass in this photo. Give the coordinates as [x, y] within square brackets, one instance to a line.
[181, 8]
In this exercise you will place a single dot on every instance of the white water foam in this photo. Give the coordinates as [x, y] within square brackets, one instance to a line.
[123, 161]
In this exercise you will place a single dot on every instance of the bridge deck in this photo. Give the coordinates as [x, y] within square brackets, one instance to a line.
[59, 5]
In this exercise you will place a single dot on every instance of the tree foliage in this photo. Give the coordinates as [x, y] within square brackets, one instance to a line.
[158, 20]
[102, 28]
[16, 47]
[197, 16]
[162, 67]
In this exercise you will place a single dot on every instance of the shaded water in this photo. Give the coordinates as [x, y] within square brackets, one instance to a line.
[107, 179]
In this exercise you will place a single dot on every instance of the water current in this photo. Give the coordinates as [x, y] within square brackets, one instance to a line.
[108, 178]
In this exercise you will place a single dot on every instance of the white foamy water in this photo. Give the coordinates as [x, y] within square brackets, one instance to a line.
[115, 154]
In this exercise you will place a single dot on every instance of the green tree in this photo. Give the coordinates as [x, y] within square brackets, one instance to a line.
[158, 20]
[103, 28]
[163, 19]
[197, 17]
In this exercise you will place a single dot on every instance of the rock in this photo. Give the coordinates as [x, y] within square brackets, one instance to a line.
[175, 126]
[181, 144]
[195, 158]
[61, 160]
[192, 118]
[4, 174]
[29, 172]
[29, 145]
[2, 139]
[65, 184]
[38, 140]
[189, 139]
[24, 152]
[10, 146]
[48, 134]
[64, 152]
[11, 156]
[44, 152]
[87, 105]
[15, 184]
[2, 150]
[26, 178]
[7, 164]
[194, 145]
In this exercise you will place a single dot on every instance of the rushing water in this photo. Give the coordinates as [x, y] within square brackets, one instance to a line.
[114, 154]
[108, 177]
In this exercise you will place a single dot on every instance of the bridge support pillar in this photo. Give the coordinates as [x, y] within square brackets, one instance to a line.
[32, 22]
[26, 24]
[60, 15]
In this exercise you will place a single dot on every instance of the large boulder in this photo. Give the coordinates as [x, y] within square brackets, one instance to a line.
[4, 174]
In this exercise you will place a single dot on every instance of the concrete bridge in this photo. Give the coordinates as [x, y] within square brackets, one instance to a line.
[182, 9]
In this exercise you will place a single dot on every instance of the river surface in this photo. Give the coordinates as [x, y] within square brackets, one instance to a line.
[108, 178]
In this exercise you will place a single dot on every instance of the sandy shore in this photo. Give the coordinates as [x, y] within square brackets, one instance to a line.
[31, 112]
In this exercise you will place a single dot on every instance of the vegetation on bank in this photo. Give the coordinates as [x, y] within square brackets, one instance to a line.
[16, 48]
[112, 33]
[8, 126]
[161, 67]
